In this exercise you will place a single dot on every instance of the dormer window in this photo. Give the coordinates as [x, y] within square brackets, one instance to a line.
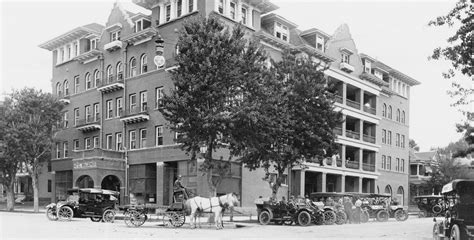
[93, 43]
[179, 8]
[281, 32]
[345, 57]
[320, 43]
[368, 66]
[142, 24]
[114, 36]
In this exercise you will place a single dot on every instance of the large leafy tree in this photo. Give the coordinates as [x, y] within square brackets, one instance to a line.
[294, 120]
[219, 69]
[34, 115]
[413, 145]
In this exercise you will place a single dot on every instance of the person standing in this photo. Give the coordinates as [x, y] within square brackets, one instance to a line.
[358, 210]
[348, 209]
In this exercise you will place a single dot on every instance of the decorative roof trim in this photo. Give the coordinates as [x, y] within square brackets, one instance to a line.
[346, 50]
[273, 16]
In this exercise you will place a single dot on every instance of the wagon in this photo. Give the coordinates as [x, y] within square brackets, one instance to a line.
[332, 208]
[284, 213]
[430, 205]
[96, 204]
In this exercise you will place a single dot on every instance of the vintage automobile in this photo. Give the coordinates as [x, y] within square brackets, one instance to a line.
[375, 205]
[458, 222]
[332, 208]
[430, 205]
[284, 213]
[96, 204]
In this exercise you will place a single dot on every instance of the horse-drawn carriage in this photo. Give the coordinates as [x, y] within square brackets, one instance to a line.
[300, 212]
[430, 205]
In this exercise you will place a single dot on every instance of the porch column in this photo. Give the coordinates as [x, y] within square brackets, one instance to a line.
[362, 100]
[323, 182]
[361, 158]
[162, 13]
[343, 125]
[361, 129]
[53, 186]
[160, 170]
[250, 17]
[417, 169]
[360, 184]
[302, 182]
[344, 93]
[343, 156]
[343, 183]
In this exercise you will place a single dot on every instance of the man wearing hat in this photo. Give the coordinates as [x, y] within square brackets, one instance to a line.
[179, 188]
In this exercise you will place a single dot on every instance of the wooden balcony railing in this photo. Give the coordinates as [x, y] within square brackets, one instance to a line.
[353, 104]
[368, 167]
[367, 138]
[352, 164]
[352, 134]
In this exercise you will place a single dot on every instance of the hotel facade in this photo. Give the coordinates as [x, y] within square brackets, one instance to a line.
[113, 135]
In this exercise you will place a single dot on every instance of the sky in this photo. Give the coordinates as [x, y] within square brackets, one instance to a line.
[394, 32]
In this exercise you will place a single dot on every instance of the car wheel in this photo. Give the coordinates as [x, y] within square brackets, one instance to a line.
[455, 233]
[382, 216]
[436, 232]
[329, 217]
[51, 214]
[108, 216]
[65, 213]
[401, 215]
[304, 218]
[264, 217]
[341, 217]
[96, 219]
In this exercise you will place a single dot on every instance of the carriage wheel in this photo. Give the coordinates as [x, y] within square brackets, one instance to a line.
[329, 217]
[134, 218]
[401, 215]
[364, 216]
[264, 217]
[96, 219]
[382, 216]
[341, 217]
[304, 218]
[167, 219]
[51, 214]
[65, 213]
[108, 216]
[177, 219]
[126, 218]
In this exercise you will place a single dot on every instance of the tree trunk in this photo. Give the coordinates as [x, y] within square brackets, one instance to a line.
[35, 184]
[10, 197]
[212, 188]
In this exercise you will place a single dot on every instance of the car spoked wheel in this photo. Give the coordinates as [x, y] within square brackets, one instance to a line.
[304, 218]
[329, 217]
[177, 219]
[455, 233]
[401, 215]
[264, 218]
[341, 218]
[382, 216]
[108, 216]
[51, 214]
[65, 213]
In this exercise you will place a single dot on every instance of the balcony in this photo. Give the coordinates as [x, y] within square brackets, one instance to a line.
[112, 84]
[352, 164]
[97, 152]
[346, 67]
[337, 131]
[63, 98]
[88, 125]
[88, 56]
[338, 98]
[367, 138]
[370, 110]
[352, 104]
[352, 134]
[112, 46]
[368, 167]
[135, 115]
[140, 37]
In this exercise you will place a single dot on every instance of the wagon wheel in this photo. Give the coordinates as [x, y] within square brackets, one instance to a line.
[134, 218]
[96, 219]
[177, 219]
[167, 219]
[304, 218]
[341, 217]
[126, 217]
[382, 216]
[329, 217]
[364, 216]
[264, 217]
[401, 215]
[108, 216]
[422, 214]
[51, 214]
[65, 213]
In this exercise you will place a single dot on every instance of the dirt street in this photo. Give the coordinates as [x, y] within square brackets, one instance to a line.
[37, 226]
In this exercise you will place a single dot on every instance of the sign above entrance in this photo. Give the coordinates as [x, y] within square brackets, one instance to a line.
[83, 165]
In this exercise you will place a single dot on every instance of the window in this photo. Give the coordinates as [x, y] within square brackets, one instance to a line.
[397, 164]
[133, 67]
[58, 151]
[403, 117]
[143, 101]
[384, 136]
[142, 24]
[389, 138]
[345, 58]
[281, 32]
[114, 36]
[133, 139]
[109, 142]
[159, 97]
[402, 144]
[398, 115]
[402, 165]
[132, 99]
[384, 110]
[88, 81]
[76, 116]
[65, 119]
[177, 134]
[397, 140]
[96, 112]
[389, 163]
[118, 141]
[96, 141]
[58, 90]
[367, 66]
[244, 15]
[66, 87]
[87, 143]
[88, 114]
[232, 9]
[50, 185]
[143, 64]
[389, 113]
[75, 49]
[142, 138]
[110, 74]
[168, 12]
[65, 149]
[220, 7]
[384, 162]
[61, 55]
[320, 43]
[159, 135]
[119, 71]
[110, 110]
[179, 8]
[119, 106]
[93, 43]
[75, 144]
[190, 5]
[76, 84]
[96, 78]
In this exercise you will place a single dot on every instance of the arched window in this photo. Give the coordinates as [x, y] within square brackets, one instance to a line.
[66, 87]
[109, 74]
[133, 67]
[58, 89]
[388, 189]
[143, 64]
[398, 115]
[403, 116]
[119, 71]
[389, 113]
[384, 110]
[88, 81]
[400, 195]
[96, 78]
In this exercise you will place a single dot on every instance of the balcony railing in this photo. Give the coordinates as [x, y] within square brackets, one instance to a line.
[337, 131]
[352, 104]
[368, 167]
[135, 114]
[97, 152]
[88, 124]
[352, 134]
[367, 138]
[111, 84]
[352, 164]
[370, 110]
[338, 98]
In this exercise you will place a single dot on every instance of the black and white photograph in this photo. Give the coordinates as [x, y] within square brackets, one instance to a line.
[237, 119]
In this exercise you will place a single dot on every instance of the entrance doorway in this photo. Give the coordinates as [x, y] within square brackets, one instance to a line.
[85, 181]
[111, 182]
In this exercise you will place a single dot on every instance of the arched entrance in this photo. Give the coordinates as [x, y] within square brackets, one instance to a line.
[388, 190]
[400, 195]
[85, 181]
[111, 182]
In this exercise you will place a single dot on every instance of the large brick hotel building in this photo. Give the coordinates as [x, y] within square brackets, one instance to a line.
[112, 130]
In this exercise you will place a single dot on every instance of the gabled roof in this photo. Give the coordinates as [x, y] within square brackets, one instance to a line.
[314, 31]
[89, 29]
[428, 156]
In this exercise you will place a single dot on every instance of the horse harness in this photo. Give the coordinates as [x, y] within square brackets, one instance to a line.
[222, 205]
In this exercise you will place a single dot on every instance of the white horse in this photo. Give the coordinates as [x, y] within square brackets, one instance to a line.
[216, 205]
